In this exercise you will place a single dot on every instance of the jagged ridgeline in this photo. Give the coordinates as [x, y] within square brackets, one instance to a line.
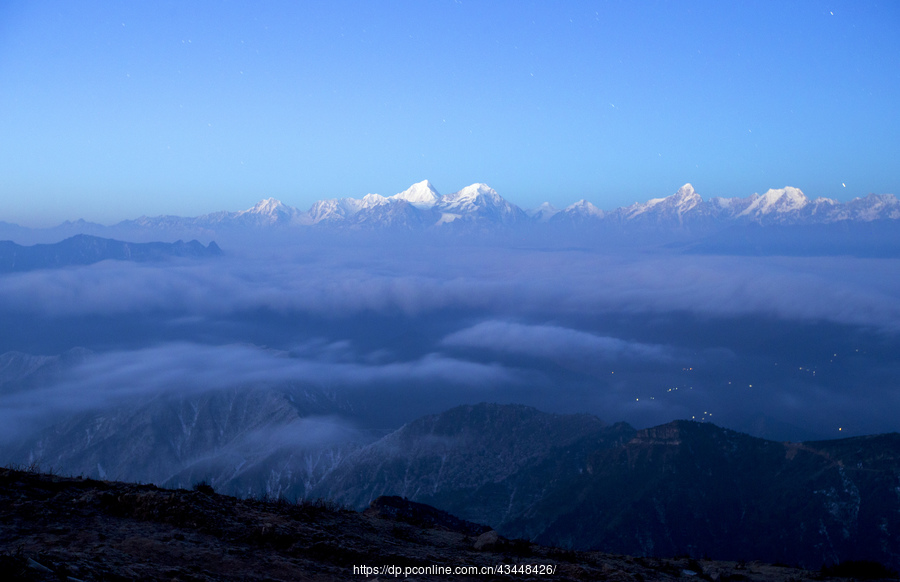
[681, 488]
[479, 208]
[422, 205]
[84, 249]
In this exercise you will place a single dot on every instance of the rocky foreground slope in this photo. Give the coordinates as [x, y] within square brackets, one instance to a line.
[59, 528]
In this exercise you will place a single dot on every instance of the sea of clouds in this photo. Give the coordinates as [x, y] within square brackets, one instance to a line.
[407, 329]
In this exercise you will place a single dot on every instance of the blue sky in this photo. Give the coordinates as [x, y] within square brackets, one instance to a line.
[111, 110]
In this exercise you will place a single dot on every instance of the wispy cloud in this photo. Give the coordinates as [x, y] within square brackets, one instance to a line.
[553, 343]
[185, 369]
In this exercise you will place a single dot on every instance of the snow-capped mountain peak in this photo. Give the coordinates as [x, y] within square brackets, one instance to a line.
[421, 195]
[779, 201]
[585, 208]
[543, 213]
[873, 207]
[267, 211]
[268, 207]
[686, 198]
[686, 192]
[682, 201]
[480, 207]
[370, 200]
[474, 192]
[469, 197]
[479, 202]
[579, 213]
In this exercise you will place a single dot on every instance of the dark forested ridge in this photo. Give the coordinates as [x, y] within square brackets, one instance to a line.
[83, 249]
[680, 488]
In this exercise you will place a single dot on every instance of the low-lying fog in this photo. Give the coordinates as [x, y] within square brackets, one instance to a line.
[782, 347]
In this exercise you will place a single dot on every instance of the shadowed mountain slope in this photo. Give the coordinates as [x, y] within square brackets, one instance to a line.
[681, 488]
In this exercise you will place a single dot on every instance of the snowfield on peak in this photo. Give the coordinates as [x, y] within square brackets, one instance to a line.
[544, 212]
[471, 197]
[786, 199]
[266, 206]
[421, 206]
[421, 195]
[480, 208]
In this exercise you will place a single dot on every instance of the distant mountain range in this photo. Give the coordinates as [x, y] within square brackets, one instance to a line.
[84, 249]
[422, 206]
[480, 207]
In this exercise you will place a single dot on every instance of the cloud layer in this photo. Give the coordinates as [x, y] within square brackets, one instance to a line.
[339, 282]
[185, 369]
[553, 342]
[404, 330]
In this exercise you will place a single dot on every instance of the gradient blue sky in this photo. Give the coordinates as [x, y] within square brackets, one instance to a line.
[111, 110]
